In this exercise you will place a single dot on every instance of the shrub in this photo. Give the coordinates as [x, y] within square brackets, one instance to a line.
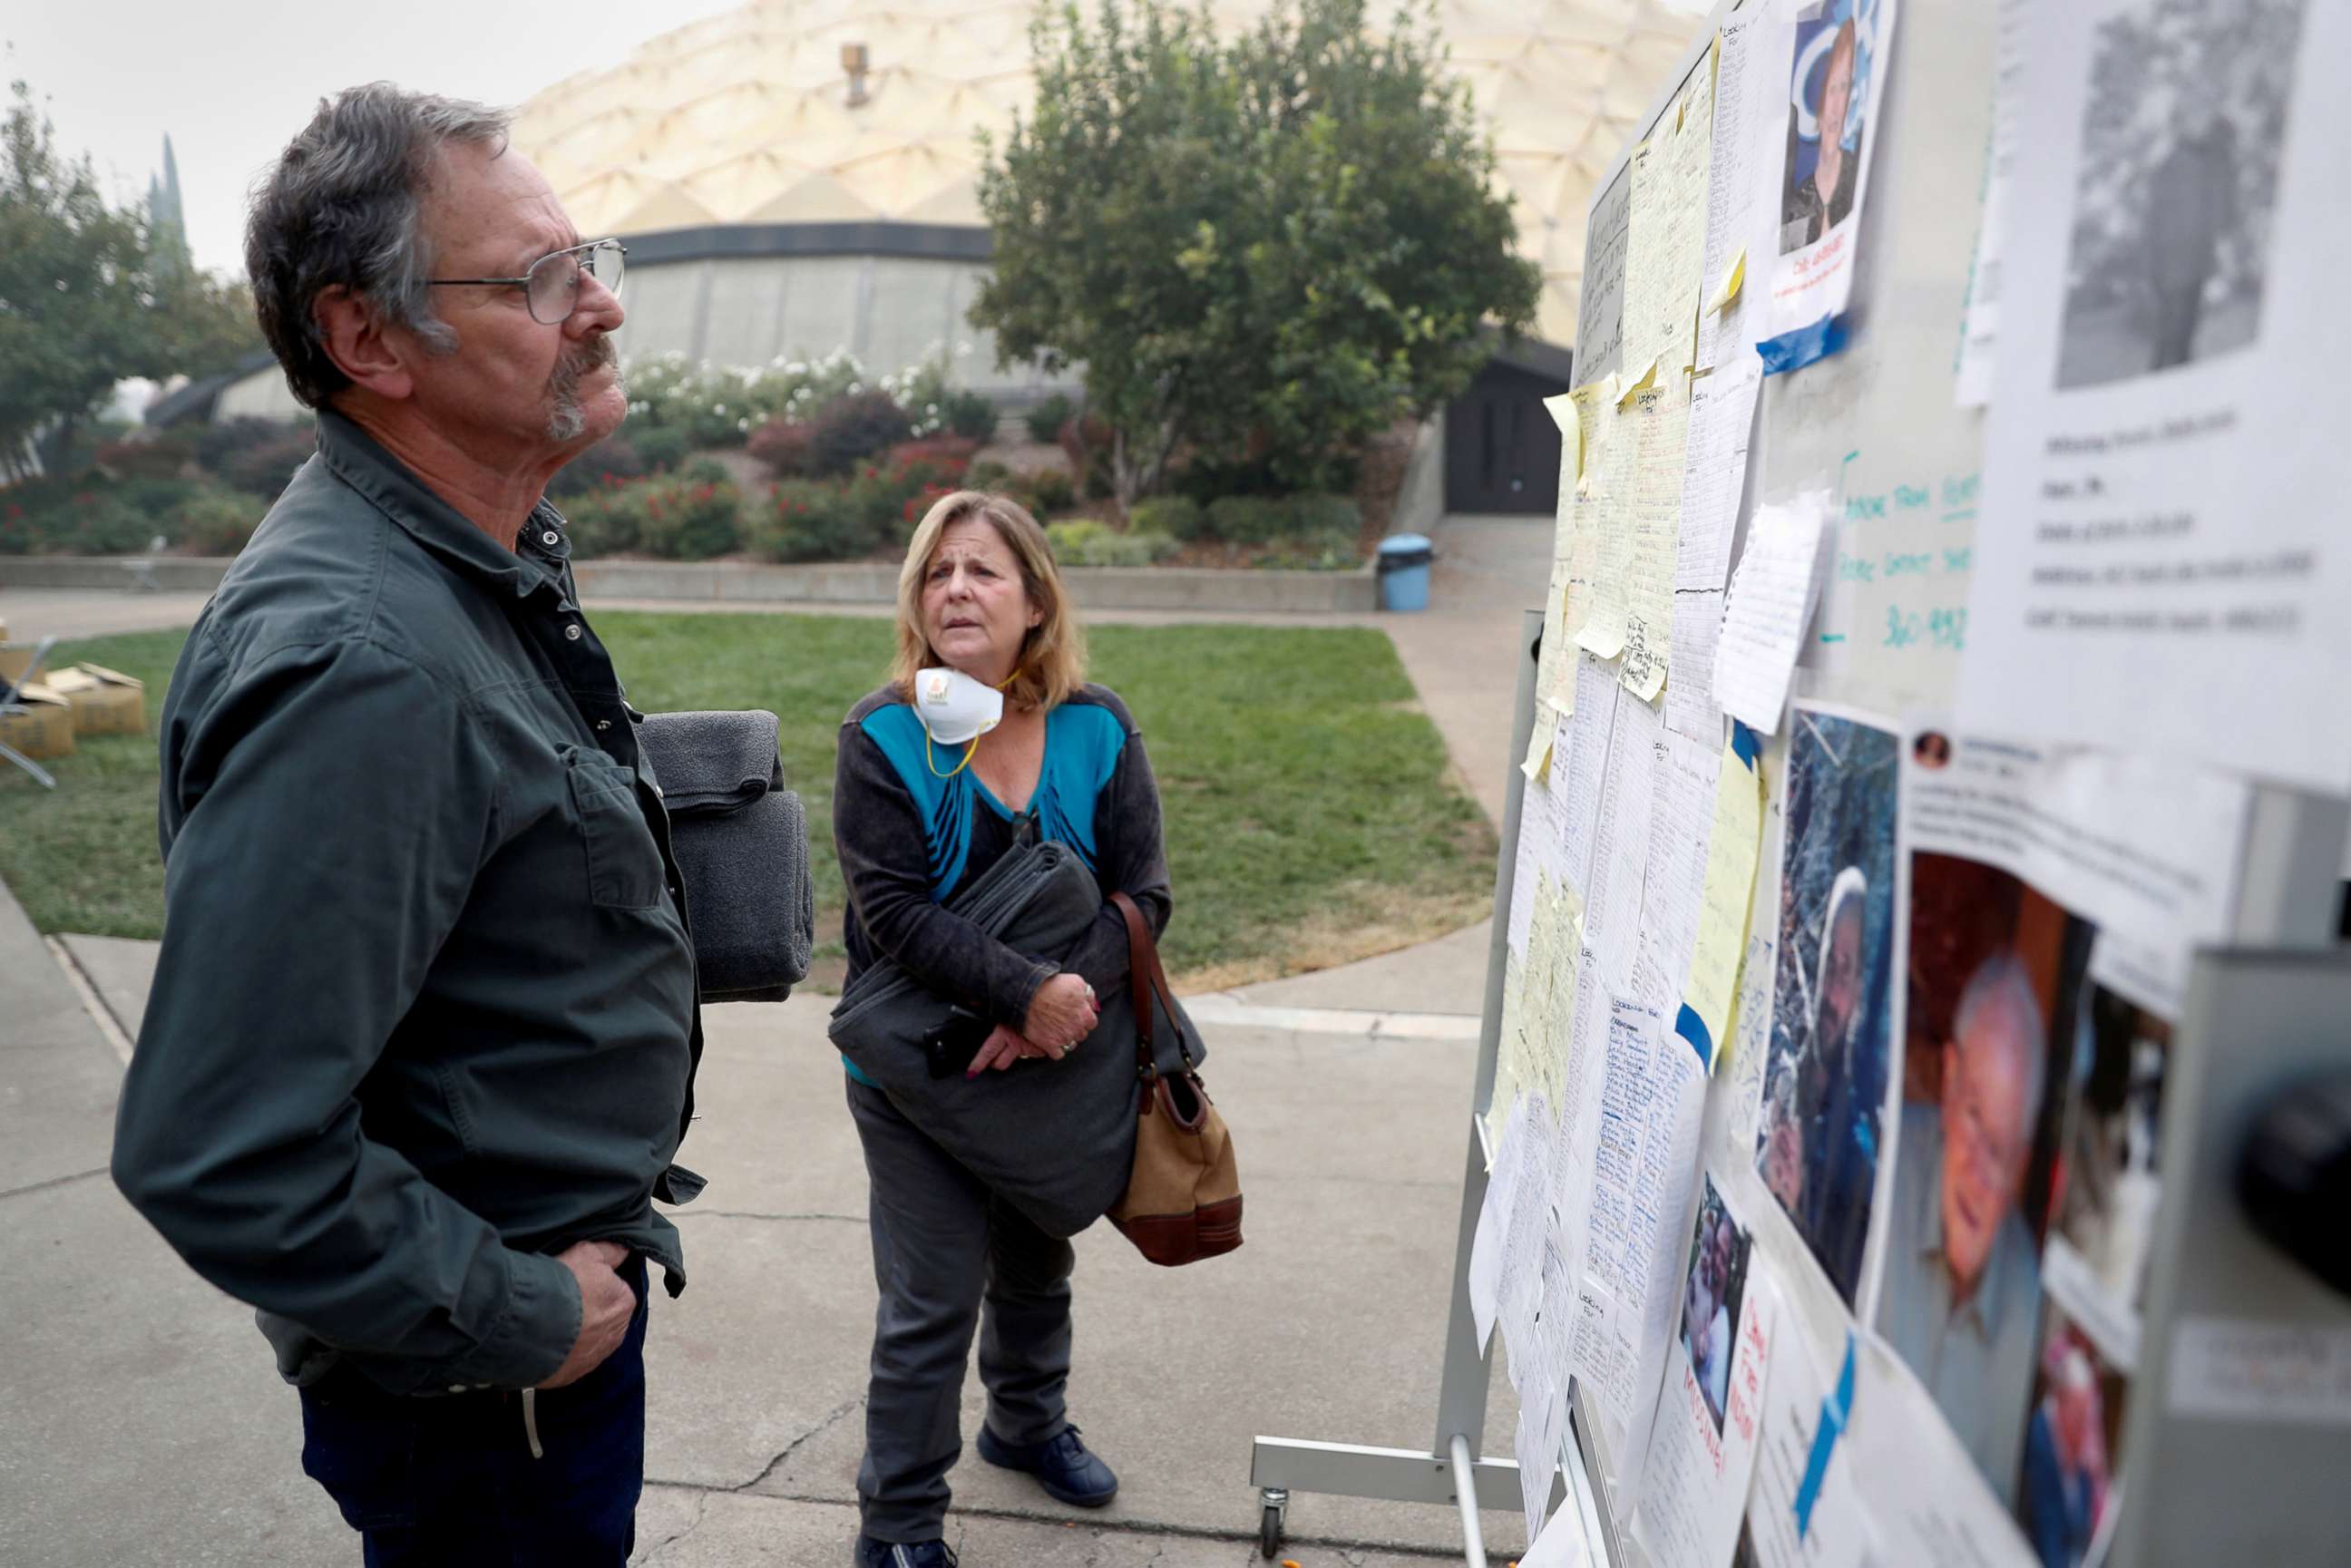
[660, 447]
[691, 516]
[881, 493]
[855, 427]
[614, 457]
[969, 414]
[1178, 516]
[948, 454]
[1054, 491]
[788, 446]
[1045, 420]
[603, 520]
[1324, 515]
[162, 455]
[265, 465]
[1247, 520]
[1325, 549]
[216, 443]
[809, 519]
[219, 522]
[988, 475]
[1088, 541]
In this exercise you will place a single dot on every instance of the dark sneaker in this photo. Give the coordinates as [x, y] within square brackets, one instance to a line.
[873, 1553]
[1062, 1465]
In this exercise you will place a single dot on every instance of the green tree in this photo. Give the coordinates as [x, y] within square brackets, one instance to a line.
[82, 303]
[1274, 245]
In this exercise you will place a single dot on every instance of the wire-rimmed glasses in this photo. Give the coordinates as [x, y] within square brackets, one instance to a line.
[550, 285]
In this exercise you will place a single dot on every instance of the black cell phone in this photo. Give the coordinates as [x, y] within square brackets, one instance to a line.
[948, 1049]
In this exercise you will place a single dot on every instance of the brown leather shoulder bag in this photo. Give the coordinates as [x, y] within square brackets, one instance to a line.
[1183, 1202]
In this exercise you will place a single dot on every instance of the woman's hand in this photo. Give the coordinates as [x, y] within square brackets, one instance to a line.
[1004, 1047]
[1062, 1013]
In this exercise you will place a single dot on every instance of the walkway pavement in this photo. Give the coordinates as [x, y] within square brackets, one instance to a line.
[147, 1425]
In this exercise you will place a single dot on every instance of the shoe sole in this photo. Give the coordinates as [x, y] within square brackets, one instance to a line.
[1075, 1500]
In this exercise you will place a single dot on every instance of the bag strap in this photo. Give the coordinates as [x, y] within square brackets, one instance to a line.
[1146, 979]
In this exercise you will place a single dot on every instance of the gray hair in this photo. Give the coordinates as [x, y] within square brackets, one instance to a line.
[342, 208]
[2001, 981]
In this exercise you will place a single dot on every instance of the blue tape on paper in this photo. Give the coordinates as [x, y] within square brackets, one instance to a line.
[1835, 1411]
[1692, 1028]
[1794, 351]
[1745, 745]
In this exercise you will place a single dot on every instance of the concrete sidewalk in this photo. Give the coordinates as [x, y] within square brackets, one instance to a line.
[147, 1425]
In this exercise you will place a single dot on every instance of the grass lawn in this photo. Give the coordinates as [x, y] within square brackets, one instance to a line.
[1310, 816]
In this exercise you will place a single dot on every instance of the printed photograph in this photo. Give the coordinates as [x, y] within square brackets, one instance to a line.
[2107, 1201]
[1828, 98]
[1713, 1288]
[2071, 1435]
[2181, 140]
[1997, 982]
[1827, 1076]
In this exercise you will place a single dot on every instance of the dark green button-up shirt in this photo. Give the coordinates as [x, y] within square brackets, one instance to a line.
[425, 1010]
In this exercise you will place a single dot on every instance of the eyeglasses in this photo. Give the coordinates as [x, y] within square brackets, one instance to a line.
[551, 285]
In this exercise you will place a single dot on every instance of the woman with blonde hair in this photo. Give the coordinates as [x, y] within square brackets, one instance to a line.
[986, 736]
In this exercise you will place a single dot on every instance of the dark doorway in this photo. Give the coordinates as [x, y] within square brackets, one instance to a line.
[1501, 447]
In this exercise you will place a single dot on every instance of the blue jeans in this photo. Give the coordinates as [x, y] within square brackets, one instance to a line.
[451, 1481]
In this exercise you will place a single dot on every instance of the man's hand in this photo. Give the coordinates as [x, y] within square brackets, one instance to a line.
[1061, 1013]
[606, 1305]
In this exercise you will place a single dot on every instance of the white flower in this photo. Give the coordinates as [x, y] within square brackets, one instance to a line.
[718, 408]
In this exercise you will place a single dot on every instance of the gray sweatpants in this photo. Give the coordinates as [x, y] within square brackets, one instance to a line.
[944, 1245]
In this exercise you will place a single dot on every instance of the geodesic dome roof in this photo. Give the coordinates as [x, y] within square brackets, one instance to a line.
[746, 117]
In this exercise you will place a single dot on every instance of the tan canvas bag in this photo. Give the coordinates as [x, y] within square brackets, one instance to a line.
[1182, 1201]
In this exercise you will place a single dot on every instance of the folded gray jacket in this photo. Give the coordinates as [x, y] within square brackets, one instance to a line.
[1056, 1139]
[741, 842]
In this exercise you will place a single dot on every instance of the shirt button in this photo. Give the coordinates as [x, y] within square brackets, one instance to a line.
[549, 537]
[603, 723]
[456, 1388]
[571, 632]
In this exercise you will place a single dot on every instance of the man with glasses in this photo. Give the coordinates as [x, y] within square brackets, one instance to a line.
[1963, 1275]
[422, 1040]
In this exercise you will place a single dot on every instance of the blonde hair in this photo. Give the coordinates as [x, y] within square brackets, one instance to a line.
[1052, 663]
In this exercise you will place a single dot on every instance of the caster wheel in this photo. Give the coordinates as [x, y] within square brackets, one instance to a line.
[1269, 1524]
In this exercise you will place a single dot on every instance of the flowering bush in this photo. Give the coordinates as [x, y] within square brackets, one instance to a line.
[951, 455]
[219, 522]
[810, 519]
[855, 427]
[690, 516]
[786, 446]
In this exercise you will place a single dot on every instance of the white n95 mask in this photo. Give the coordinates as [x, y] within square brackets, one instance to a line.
[954, 707]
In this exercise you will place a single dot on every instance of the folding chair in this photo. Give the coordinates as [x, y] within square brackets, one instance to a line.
[142, 568]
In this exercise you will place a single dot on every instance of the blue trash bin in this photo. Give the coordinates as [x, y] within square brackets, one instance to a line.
[1404, 571]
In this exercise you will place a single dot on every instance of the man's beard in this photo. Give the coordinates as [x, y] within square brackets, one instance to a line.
[567, 421]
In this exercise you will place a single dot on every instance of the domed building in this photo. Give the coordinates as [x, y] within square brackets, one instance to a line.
[796, 177]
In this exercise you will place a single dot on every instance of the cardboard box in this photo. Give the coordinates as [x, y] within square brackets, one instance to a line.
[105, 702]
[15, 658]
[41, 726]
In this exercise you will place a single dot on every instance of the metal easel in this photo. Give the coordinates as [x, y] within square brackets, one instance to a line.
[1452, 1470]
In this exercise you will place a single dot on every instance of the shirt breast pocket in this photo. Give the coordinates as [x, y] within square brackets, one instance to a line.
[624, 864]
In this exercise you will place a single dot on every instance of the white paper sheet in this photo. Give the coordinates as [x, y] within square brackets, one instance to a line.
[1928, 1506]
[1590, 738]
[1620, 843]
[2161, 564]
[1714, 477]
[1541, 856]
[1772, 595]
[1801, 1514]
[1673, 892]
[1643, 1173]
[1493, 1220]
[1979, 331]
[1741, 199]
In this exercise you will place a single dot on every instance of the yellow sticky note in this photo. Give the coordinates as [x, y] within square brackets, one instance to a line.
[1538, 762]
[1640, 383]
[1728, 289]
[1731, 854]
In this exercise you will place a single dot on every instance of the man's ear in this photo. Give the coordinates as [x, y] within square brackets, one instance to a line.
[356, 340]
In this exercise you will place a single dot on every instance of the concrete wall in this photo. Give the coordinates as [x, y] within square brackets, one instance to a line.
[848, 582]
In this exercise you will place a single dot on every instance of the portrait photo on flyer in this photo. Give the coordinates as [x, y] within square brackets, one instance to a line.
[1825, 1086]
[1998, 980]
[1836, 74]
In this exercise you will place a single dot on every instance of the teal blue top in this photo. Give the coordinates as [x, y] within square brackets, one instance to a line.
[966, 827]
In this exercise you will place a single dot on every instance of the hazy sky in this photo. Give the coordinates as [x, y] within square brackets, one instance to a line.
[233, 81]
